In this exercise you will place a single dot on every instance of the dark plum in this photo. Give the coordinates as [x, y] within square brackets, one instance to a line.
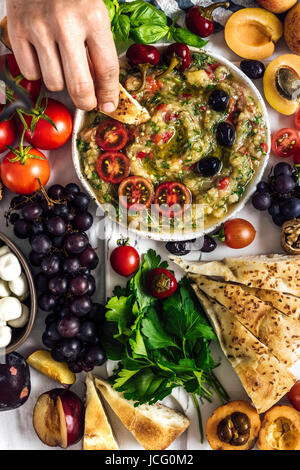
[15, 382]
[209, 244]
[58, 242]
[254, 69]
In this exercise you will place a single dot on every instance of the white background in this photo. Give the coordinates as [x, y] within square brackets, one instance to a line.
[16, 430]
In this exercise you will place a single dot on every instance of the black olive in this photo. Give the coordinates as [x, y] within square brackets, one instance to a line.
[209, 166]
[224, 430]
[226, 134]
[180, 248]
[209, 244]
[253, 69]
[240, 439]
[241, 422]
[219, 100]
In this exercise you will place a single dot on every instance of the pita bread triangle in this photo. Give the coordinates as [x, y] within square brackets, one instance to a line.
[265, 379]
[280, 333]
[129, 111]
[285, 303]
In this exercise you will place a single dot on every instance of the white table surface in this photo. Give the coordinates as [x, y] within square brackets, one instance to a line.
[16, 430]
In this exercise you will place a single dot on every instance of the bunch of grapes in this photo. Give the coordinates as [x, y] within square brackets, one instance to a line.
[56, 223]
[280, 195]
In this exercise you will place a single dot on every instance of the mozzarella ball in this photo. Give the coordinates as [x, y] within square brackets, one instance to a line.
[10, 267]
[4, 250]
[5, 336]
[19, 286]
[10, 308]
[22, 320]
[4, 289]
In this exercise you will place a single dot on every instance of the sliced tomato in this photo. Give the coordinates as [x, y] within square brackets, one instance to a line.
[297, 119]
[136, 193]
[171, 198]
[111, 135]
[152, 84]
[223, 184]
[142, 155]
[113, 167]
[264, 147]
[159, 139]
[285, 142]
[297, 157]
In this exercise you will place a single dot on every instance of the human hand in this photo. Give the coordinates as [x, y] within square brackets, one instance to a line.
[54, 38]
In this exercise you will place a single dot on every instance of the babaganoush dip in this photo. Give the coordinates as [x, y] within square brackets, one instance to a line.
[200, 149]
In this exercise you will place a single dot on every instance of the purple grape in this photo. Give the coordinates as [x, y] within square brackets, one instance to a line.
[49, 343]
[35, 258]
[284, 184]
[263, 187]
[89, 258]
[22, 229]
[61, 210]
[81, 305]
[47, 302]
[282, 168]
[57, 354]
[56, 226]
[13, 218]
[56, 192]
[91, 286]
[52, 317]
[58, 285]
[71, 266]
[87, 367]
[41, 283]
[261, 201]
[47, 208]
[70, 216]
[70, 348]
[81, 201]
[83, 221]
[76, 242]
[64, 311]
[41, 243]
[97, 313]
[68, 326]
[32, 211]
[58, 241]
[87, 331]
[18, 201]
[95, 355]
[274, 209]
[52, 332]
[290, 208]
[75, 367]
[37, 227]
[78, 285]
[209, 244]
[51, 265]
[72, 188]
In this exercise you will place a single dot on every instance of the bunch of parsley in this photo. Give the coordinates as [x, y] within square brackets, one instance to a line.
[161, 344]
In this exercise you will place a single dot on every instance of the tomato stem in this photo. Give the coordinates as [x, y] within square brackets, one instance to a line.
[123, 241]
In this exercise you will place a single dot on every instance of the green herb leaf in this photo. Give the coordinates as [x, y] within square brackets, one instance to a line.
[121, 27]
[187, 37]
[147, 14]
[149, 33]
[153, 330]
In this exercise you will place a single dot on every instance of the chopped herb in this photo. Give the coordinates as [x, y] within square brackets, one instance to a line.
[82, 145]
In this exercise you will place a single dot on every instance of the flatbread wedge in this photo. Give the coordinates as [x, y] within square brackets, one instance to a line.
[277, 331]
[129, 110]
[155, 427]
[265, 379]
[287, 304]
[98, 434]
[272, 272]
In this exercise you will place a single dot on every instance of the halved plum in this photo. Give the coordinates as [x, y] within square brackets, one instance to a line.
[15, 382]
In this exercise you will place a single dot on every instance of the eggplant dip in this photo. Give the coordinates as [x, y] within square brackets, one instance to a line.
[205, 138]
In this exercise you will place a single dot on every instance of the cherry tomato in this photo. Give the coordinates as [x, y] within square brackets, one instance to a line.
[33, 87]
[138, 191]
[171, 198]
[239, 233]
[285, 142]
[297, 119]
[8, 132]
[294, 395]
[111, 135]
[20, 176]
[161, 283]
[113, 167]
[45, 135]
[124, 259]
[297, 157]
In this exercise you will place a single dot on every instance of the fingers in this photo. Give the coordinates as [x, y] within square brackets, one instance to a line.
[26, 58]
[77, 74]
[105, 62]
[50, 65]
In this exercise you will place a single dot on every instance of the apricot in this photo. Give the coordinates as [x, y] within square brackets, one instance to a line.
[280, 429]
[277, 6]
[42, 361]
[292, 29]
[4, 33]
[277, 98]
[252, 33]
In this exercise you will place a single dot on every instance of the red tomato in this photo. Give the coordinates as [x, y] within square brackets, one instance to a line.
[223, 184]
[125, 260]
[294, 395]
[143, 155]
[285, 142]
[161, 283]
[239, 233]
[136, 193]
[297, 119]
[111, 135]
[33, 87]
[152, 85]
[45, 136]
[171, 198]
[264, 147]
[21, 176]
[113, 167]
[8, 133]
[297, 157]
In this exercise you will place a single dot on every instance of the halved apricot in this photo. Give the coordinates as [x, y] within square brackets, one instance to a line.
[275, 95]
[280, 429]
[277, 6]
[44, 362]
[252, 33]
[292, 29]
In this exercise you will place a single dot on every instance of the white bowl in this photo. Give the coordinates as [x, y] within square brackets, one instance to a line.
[79, 122]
